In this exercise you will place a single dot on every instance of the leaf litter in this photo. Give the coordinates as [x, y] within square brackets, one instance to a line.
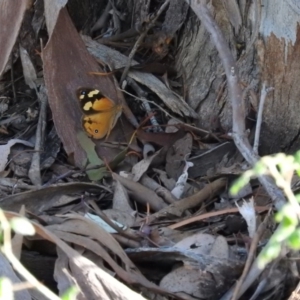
[142, 214]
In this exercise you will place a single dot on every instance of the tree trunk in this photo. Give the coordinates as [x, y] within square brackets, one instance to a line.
[265, 41]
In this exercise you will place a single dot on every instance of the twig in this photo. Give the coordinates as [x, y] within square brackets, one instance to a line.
[235, 95]
[35, 170]
[13, 78]
[263, 96]
[140, 39]
[253, 247]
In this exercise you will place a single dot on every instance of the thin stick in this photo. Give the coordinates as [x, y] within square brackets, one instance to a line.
[13, 78]
[35, 168]
[263, 96]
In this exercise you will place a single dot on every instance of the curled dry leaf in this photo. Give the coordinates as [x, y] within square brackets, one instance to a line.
[141, 194]
[179, 207]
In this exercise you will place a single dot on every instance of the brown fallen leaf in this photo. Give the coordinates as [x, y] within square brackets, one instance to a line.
[40, 200]
[140, 193]
[94, 282]
[66, 67]
[11, 17]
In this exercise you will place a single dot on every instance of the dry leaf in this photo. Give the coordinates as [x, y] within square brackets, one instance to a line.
[52, 9]
[142, 166]
[66, 67]
[11, 17]
[28, 68]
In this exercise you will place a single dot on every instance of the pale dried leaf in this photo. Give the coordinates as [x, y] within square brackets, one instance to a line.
[220, 248]
[28, 69]
[247, 210]
[121, 199]
[101, 223]
[181, 182]
[52, 9]
[185, 280]
[142, 166]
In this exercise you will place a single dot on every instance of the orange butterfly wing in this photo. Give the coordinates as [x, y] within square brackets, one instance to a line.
[100, 113]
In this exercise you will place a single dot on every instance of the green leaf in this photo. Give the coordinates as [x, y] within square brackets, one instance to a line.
[22, 226]
[269, 253]
[284, 232]
[6, 289]
[260, 168]
[70, 294]
[297, 157]
[89, 147]
[238, 184]
[294, 240]
[287, 212]
[93, 159]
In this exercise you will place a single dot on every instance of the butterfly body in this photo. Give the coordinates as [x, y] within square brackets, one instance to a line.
[100, 113]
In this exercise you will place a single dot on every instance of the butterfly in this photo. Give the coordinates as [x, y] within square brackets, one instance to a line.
[100, 114]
